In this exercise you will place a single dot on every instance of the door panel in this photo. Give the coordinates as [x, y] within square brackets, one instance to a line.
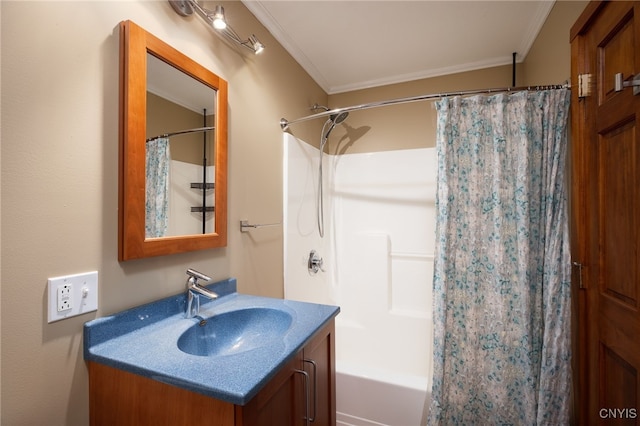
[616, 43]
[619, 223]
[619, 371]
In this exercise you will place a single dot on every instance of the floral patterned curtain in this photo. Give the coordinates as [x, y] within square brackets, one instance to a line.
[158, 160]
[502, 307]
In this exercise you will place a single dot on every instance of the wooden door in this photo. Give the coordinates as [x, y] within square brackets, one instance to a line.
[605, 215]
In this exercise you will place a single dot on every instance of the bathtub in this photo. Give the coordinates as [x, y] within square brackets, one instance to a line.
[378, 267]
[369, 397]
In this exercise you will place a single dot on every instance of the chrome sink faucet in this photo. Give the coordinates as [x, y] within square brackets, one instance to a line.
[194, 290]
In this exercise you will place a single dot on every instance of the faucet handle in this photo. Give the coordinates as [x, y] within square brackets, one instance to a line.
[315, 263]
[198, 275]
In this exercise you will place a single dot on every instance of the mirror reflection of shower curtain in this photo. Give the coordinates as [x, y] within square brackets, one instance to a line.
[157, 187]
[501, 285]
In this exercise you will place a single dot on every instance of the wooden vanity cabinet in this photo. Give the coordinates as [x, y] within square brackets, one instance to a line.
[283, 401]
[280, 402]
[321, 350]
[304, 387]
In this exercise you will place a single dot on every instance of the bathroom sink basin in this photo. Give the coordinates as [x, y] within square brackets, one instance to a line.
[235, 332]
[247, 339]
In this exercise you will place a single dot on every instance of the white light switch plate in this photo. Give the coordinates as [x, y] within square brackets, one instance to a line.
[72, 295]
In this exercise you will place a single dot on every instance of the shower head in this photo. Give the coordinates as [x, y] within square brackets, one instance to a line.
[335, 119]
[339, 118]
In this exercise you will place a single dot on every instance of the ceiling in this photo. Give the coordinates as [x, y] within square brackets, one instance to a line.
[357, 44]
[175, 86]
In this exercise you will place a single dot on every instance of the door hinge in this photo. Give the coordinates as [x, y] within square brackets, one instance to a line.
[579, 266]
[584, 85]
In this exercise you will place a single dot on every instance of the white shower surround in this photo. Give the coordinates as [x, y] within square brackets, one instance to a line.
[378, 260]
[182, 197]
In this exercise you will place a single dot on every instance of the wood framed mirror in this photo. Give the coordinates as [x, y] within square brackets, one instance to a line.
[140, 54]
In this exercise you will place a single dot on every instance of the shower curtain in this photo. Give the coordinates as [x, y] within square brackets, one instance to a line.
[157, 164]
[502, 267]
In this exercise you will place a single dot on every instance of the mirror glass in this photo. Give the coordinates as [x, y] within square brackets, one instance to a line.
[179, 109]
[173, 150]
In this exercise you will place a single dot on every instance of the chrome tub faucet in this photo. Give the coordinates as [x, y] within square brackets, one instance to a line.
[194, 290]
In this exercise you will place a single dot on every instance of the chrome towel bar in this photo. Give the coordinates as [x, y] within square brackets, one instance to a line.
[245, 226]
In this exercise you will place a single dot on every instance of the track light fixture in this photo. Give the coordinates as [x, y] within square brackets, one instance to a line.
[218, 21]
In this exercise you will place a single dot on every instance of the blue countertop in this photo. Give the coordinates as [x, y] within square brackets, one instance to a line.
[143, 340]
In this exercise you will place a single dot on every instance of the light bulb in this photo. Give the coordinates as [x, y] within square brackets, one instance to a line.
[219, 22]
[255, 43]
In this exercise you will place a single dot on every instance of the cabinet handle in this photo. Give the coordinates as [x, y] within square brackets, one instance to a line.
[315, 387]
[306, 395]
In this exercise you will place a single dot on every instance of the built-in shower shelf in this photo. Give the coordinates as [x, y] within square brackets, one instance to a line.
[206, 186]
[208, 209]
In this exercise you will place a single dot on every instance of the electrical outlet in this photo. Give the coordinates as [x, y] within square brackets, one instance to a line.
[72, 295]
[65, 297]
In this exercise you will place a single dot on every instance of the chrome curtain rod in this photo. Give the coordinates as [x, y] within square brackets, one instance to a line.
[284, 123]
[168, 135]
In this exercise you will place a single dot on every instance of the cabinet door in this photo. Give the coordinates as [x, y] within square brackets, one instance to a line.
[319, 363]
[117, 397]
[295, 398]
[280, 402]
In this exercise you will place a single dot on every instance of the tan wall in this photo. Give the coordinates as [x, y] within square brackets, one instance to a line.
[549, 59]
[413, 125]
[59, 116]
[164, 116]
[59, 181]
[403, 126]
